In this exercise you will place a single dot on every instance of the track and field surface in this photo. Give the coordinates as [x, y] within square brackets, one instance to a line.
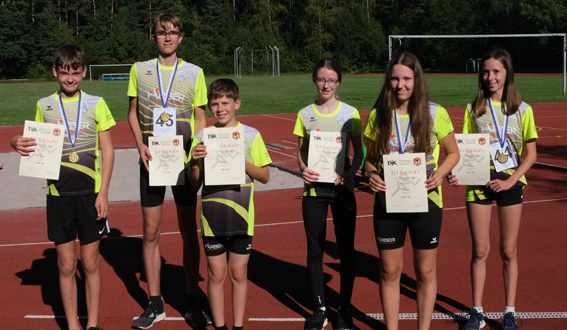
[278, 285]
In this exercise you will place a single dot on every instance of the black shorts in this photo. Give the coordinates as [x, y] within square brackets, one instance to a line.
[215, 246]
[391, 228]
[184, 195]
[508, 197]
[69, 216]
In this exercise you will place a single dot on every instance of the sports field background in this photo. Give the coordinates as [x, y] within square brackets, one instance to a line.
[284, 94]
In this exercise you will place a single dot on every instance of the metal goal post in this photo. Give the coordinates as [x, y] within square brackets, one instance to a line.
[254, 61]
[477, 36]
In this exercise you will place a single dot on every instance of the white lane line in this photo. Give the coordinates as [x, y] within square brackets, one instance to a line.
[272, 116]
[272, 224]
[273, 150]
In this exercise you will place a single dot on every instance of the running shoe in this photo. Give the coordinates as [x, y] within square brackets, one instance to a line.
[317, 321]
[475, 322]
[510, 321]
[195, 316]
[95, 328]
[152, 314]
[344, 319]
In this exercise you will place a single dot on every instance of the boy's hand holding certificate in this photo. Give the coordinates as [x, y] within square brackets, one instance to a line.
[225, 161]
[405, 176]
[326, 155]
[168, 160]
[473, 167]
[45, 161]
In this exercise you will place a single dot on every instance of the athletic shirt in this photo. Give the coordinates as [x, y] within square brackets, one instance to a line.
[521, 128]
[188, 91]
[229, 210]
[344, 119]
[82, 177]
[441, 128]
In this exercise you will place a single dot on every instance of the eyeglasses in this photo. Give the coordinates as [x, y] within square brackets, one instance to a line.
[331, 82]
[172, 34]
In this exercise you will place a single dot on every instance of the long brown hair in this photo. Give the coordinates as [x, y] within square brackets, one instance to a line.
[418, 109]
[510, 94]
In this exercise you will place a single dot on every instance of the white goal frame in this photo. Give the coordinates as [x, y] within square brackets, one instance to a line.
[107, 65]
[478, 36]
[272, 54]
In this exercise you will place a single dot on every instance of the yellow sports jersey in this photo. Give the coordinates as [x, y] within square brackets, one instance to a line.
[345, 119]
[521, 128]
[188, 90]
[229, 210]
[442, 127]
[79, 175]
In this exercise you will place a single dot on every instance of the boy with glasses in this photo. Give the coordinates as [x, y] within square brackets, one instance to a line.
[167, 98]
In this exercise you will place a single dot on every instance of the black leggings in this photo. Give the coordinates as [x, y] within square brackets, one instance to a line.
[315, 210]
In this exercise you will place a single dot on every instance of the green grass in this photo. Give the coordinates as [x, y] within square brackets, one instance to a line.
[287, 93]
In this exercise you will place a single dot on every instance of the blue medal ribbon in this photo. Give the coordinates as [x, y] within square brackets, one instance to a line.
[398, 129]
[168, 91]
[501, 137]
[62, 109]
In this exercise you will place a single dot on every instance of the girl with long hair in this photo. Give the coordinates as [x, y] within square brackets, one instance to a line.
[498, 110]
[405, 120]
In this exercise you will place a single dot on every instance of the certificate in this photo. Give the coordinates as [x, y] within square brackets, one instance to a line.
[327, 154]
[45, 161]
[405, 176]
[168, 160]
[224, 163]
[473, 167]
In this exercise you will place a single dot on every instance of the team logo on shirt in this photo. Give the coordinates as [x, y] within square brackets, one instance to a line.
[49, 107]
[84, 108]
[312, 119]
[149, 73]
[181, 76]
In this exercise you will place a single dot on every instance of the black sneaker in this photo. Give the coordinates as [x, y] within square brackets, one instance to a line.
[344, 319]
[510, 322]
[151, 315]
[475, 322]
[95, 328]
[195, 316]
[317, 321]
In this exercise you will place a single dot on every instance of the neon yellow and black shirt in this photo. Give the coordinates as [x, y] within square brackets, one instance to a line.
[441, 128]
[344, 119]
[188, 91]
[229, 210]
[521, 128]
[81, 177]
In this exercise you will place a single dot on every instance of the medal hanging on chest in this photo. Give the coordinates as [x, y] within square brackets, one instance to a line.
[502, 156]
[73, 156]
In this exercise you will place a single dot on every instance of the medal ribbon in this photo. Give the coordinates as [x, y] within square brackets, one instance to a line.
[398, 129]
[164, 100]
[501, 137]
[62, 109]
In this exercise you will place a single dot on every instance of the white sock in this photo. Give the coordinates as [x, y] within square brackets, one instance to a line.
[478, 309]
[509, 309]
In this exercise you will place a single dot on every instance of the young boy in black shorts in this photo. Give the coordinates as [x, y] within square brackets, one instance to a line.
[227, 211]
[77, 203]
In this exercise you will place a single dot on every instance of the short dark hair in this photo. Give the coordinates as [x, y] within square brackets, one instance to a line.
[223, 87]
[69, 56]
[330, 64]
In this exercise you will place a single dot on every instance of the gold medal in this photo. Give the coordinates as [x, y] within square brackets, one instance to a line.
[502, 158]
[73, 157]
[164, 116]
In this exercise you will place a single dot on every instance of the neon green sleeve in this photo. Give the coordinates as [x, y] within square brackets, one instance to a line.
[469, 126]
[299, 129]
[443, 124]
[200, 98]
[369, 131]
[133, 82]
[529, 131]
[259, 153]
[39, 113]
[103, 116]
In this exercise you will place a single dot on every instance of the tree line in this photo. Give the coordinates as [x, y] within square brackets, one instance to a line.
[355, 32]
